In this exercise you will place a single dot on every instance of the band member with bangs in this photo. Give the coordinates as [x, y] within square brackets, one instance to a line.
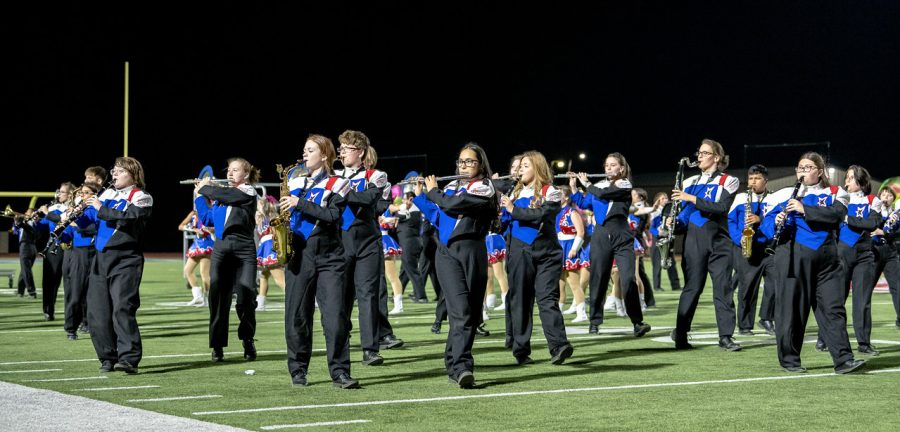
[759, 266]
[706, 199]
[77, 264]
[535, 259]
[53, 256]
[233, 266]
[25, 231]
[803, 220]
[886, 239]
[362, 243]
[317, 269]
[121, 214]
[612, 239]
[855, 250]
[462, 214]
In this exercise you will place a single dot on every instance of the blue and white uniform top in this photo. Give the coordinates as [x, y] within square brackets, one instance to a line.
[715, 192]
[364, 188]
[320, 198]
[817, 226]
[655, 221]
[863, 217]
[737, 215]
[607, 200]
[220, 214]
[533, 213]
[465, 208]
[54, 213]
[122, 217]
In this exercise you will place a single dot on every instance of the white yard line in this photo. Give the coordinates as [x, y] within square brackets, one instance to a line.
[306, 425]
[67, 379]
[117, 388]
[30, 371]
[147, 357]
[174, 398]
[524, 393]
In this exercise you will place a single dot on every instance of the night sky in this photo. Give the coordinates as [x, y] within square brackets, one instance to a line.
[647, 79]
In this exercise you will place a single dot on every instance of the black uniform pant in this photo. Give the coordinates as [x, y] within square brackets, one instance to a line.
[858, 268]
[77, 271]
[412, 249]
[747, 274]
[53, 272]
[232, 271]
[534, 275]
[316, 272]
[886, 260]
[611, 241]
[672, 271]
[649, 299]
[365, 268]
[27, 255]
[113, 299]
[462, 270]
[707, 251]
[810, 279]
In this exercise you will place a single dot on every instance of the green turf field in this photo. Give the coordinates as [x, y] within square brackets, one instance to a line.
[612, 382]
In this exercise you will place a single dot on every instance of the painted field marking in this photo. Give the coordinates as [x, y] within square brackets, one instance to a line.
[306, 425]
[174, 398]
[524, 393]
[66, 379]
[30, 371]
[117, 388]
[146, 357]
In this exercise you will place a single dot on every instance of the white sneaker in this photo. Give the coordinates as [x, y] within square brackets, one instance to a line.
[491, 301]
[398, 305]
[204, 301]
[484, 315]
[198, 296]
[260, 303]
[610, 304]
[643, 304]
[620, 308]
[502, 307]
[570, 310]
[581, 315]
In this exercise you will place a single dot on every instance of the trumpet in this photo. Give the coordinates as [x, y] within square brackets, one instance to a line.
[9, 213]
[214, 182]
[415, 180]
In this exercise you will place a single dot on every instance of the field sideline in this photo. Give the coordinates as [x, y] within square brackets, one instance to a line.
[612, 382]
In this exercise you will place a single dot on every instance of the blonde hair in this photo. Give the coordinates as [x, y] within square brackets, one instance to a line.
[719, 151]
[253, 171]
[542, 175]
[326, 147]
[134, 168]
[370, 159]
[358, 139]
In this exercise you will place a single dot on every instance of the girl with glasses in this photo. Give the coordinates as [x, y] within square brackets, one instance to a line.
[886, 243]
[808, 266]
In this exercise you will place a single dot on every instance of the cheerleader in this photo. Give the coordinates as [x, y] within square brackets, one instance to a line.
[886, 242]
[570, 233]
[362, 243]
[707, 247]
[535, 259]
[496, 249]
[266, 256]
[392, 254]
[462, 214]
[53, 261]
[857, 257]
[316, 270]
[77, 266]
[198, 254]
[113, 298]
[660, 204]
[808, 265]
[610, 200]
[233, 266]
[584, 272]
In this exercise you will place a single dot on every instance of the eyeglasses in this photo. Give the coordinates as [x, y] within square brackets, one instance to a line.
[703, 153]
[342, 149]
[466, 162]
[117, 171]
[805, 169]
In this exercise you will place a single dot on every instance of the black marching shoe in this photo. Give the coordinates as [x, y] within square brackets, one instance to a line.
[821, 347]
[745, 332]
[218, 355]
[344, 381]
[72, 336]
[372, 358]
[849, 366]
[867, 350]
[106, 366]
[481, 331]
[299, 378]
[681, 340]
[421, 300]
[389, 342]
[524, 360]
[728, 344]
[249, 350]
[794, 369]
[465, 380]
[562, 353]
[436, 327]
[124, 366]
[768, 326]
[641, 329]
[32, 295]
[593, 329]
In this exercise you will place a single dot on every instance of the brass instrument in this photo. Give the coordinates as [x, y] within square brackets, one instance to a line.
[748, 232]
[779, 228]
[665, 241]
[282, 237]
[9, 213]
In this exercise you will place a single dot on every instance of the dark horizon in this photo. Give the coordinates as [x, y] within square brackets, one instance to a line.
[645, 79]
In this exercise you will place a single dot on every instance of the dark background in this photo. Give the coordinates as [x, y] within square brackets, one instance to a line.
[648, 79]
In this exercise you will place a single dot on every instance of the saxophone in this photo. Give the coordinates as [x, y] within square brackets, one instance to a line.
[748, 232]
[282, 237]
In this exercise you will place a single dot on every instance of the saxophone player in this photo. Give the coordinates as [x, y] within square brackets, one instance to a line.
[747, 212]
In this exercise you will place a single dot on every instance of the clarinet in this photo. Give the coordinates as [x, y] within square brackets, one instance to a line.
[665, 243]
[779, 228]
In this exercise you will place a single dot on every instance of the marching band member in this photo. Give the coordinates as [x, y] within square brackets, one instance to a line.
[362, 243]
[198, 254]
[707, 247]
[570, 233]
[749, 271]
[121, 214]
[535, 259]
[462, 214]
[317, 270]
[886, 244]
[233, 266]
[612, 239]
[53, 260]
[77, 266]
[808, 265]
[24, 229]
[266, 256]
[409, 235]
[660, 202]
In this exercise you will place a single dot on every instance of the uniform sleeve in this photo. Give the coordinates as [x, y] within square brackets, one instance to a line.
[620, 190]
[476, 197]
[721, 206]
[869, 223]
[54, 217]
[375, 189]
[736, 223]
[236, 197]
[141, 208]
[773, 208]
[581, 200]
[331, 212]
[833, 214]
[204, 212]
[548, 210]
